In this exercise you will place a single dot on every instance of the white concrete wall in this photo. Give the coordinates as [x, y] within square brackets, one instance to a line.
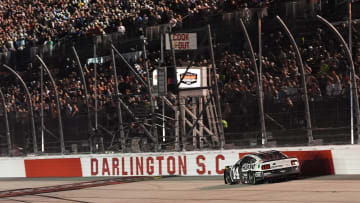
[345, 158]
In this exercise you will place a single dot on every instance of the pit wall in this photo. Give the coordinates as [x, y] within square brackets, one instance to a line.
[314, 161]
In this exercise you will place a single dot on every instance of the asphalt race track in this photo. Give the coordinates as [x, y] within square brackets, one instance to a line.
[211, 189]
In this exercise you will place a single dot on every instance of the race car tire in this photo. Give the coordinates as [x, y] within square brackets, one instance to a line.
[227, 177]
[242, 178]
[252, 178]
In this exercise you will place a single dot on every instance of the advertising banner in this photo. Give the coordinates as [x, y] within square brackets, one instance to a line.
[191, 78]
[192, 164]
[182, 41]
[313, 163]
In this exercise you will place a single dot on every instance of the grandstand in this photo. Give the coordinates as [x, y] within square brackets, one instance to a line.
[58, 31]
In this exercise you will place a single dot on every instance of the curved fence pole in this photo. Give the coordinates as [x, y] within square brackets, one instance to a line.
[42, 128]
[120, 119]
[260, 92]
[351, 95]
[90, 127]
[150, 92]
[62, 144]
[260, 16]
[352, 70]
[301, 65]
[217, 94]
[30, 106]
[6, 125]
[179, 126]
[95, 86]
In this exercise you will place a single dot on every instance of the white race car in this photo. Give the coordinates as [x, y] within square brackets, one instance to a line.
[257, 167]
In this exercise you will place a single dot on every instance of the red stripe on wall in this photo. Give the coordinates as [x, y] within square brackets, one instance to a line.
[69, 167]
[312, 163]
[243, 154]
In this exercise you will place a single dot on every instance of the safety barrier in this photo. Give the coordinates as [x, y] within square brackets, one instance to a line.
[315, 161]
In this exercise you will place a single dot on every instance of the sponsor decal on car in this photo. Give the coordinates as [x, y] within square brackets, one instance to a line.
[276, 166]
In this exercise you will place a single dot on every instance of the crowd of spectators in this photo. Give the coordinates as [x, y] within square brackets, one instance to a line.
[32, 23]
[325, 65]
[71, 90]
[27, 23]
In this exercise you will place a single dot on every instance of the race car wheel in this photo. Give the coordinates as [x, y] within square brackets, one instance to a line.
[242, 178]
[252, 178]
[227, 177]
[228, 180]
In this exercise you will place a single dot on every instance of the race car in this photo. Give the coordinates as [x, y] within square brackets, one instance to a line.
[258, 167]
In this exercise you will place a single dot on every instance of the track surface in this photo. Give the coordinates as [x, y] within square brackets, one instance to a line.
[191, 189]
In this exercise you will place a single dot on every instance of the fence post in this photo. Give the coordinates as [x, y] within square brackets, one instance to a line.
[120, 119]
[30, 106]
[352, 70]
[152, 102]
[297, 52]
[217, 95]
[259, 89]
[6, 125]
[62, 144]
[90, 128]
